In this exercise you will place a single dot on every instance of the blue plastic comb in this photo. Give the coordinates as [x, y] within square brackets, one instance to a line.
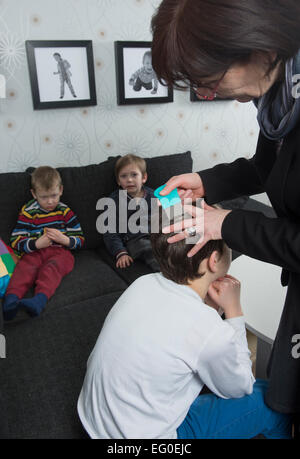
[169, 200]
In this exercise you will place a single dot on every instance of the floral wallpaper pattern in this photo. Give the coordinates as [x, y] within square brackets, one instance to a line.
[214, 131]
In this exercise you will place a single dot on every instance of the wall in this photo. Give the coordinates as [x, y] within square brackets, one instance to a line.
[214, 131]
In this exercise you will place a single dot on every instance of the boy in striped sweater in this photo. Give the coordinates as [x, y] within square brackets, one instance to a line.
[46, 232]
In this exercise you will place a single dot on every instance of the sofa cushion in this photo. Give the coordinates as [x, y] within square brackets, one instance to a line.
[130, 273]
[43, 372]
[161, 168]
[90, 278]
[83, 186]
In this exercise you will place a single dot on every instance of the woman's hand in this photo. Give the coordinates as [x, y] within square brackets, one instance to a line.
[124, 261]
[188, 186]
[206, 221]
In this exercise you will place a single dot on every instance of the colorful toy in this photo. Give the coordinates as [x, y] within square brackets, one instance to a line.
[8, 262]
[169, 200]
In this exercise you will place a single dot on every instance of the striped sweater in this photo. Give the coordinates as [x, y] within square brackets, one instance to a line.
[33, 220]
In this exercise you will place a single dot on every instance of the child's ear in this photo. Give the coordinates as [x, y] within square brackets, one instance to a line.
[61, 189]
[33, 193]
[145, 177]
[213, 261]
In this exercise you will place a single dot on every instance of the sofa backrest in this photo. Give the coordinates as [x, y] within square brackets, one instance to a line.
[83, 187]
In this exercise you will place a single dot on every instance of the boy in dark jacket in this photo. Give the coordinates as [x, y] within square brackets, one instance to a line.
[132, 241]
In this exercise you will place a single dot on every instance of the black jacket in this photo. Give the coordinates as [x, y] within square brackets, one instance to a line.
[116, 241]
[276, 171]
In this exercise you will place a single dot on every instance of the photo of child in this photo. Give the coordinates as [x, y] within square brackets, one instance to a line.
[63, 70]
[137, 81]
[144, 76]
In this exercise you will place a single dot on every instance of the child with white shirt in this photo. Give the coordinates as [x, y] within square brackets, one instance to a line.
[162, 342]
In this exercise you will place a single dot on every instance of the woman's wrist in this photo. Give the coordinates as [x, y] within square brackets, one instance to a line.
[223, 214]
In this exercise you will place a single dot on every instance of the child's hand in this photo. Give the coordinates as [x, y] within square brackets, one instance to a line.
[225, 293]
[131, 81]
[57, 236]
[124, 261]
[212, 304]
[43, 242]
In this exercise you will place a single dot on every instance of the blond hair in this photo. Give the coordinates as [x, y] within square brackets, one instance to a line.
[45, 177]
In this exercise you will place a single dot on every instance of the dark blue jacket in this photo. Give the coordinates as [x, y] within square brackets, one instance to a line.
[116, 242]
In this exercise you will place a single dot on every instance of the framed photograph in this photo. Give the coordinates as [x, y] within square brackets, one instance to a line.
[194, 98]
[136, 80]
[61, 73]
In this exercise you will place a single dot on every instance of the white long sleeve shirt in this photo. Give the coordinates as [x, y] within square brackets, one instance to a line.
[159, 345]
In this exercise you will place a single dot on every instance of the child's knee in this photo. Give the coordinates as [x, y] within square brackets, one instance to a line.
[68, 263]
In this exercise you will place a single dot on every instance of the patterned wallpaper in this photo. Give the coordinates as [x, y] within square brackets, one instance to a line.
[214, 131]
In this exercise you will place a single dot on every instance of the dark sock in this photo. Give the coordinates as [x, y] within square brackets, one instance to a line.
[34, 305]
[10, 306]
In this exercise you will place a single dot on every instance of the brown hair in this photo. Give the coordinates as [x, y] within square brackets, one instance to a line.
[172, 258]
[45, 177]
[194, 39]
[130, 159]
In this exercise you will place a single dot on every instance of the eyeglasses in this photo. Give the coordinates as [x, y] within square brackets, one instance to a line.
[212, 91]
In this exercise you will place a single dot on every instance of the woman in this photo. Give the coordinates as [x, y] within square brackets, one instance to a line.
[247, 50]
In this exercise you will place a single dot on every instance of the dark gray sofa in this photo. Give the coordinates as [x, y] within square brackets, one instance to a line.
[42, 374]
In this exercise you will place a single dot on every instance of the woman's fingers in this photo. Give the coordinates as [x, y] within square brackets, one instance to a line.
[185, 194]
[195, 211]
[190, 181]
[196, 248]
[178, 237]
[171, 184]
[179, 226]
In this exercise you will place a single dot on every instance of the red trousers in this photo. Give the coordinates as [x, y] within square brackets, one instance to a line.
[45, 268]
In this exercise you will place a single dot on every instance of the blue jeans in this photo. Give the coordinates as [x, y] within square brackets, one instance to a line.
[214, 417]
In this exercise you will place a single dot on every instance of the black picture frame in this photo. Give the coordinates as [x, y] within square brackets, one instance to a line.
[194, 98]
[130, 57]
[50, 79]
